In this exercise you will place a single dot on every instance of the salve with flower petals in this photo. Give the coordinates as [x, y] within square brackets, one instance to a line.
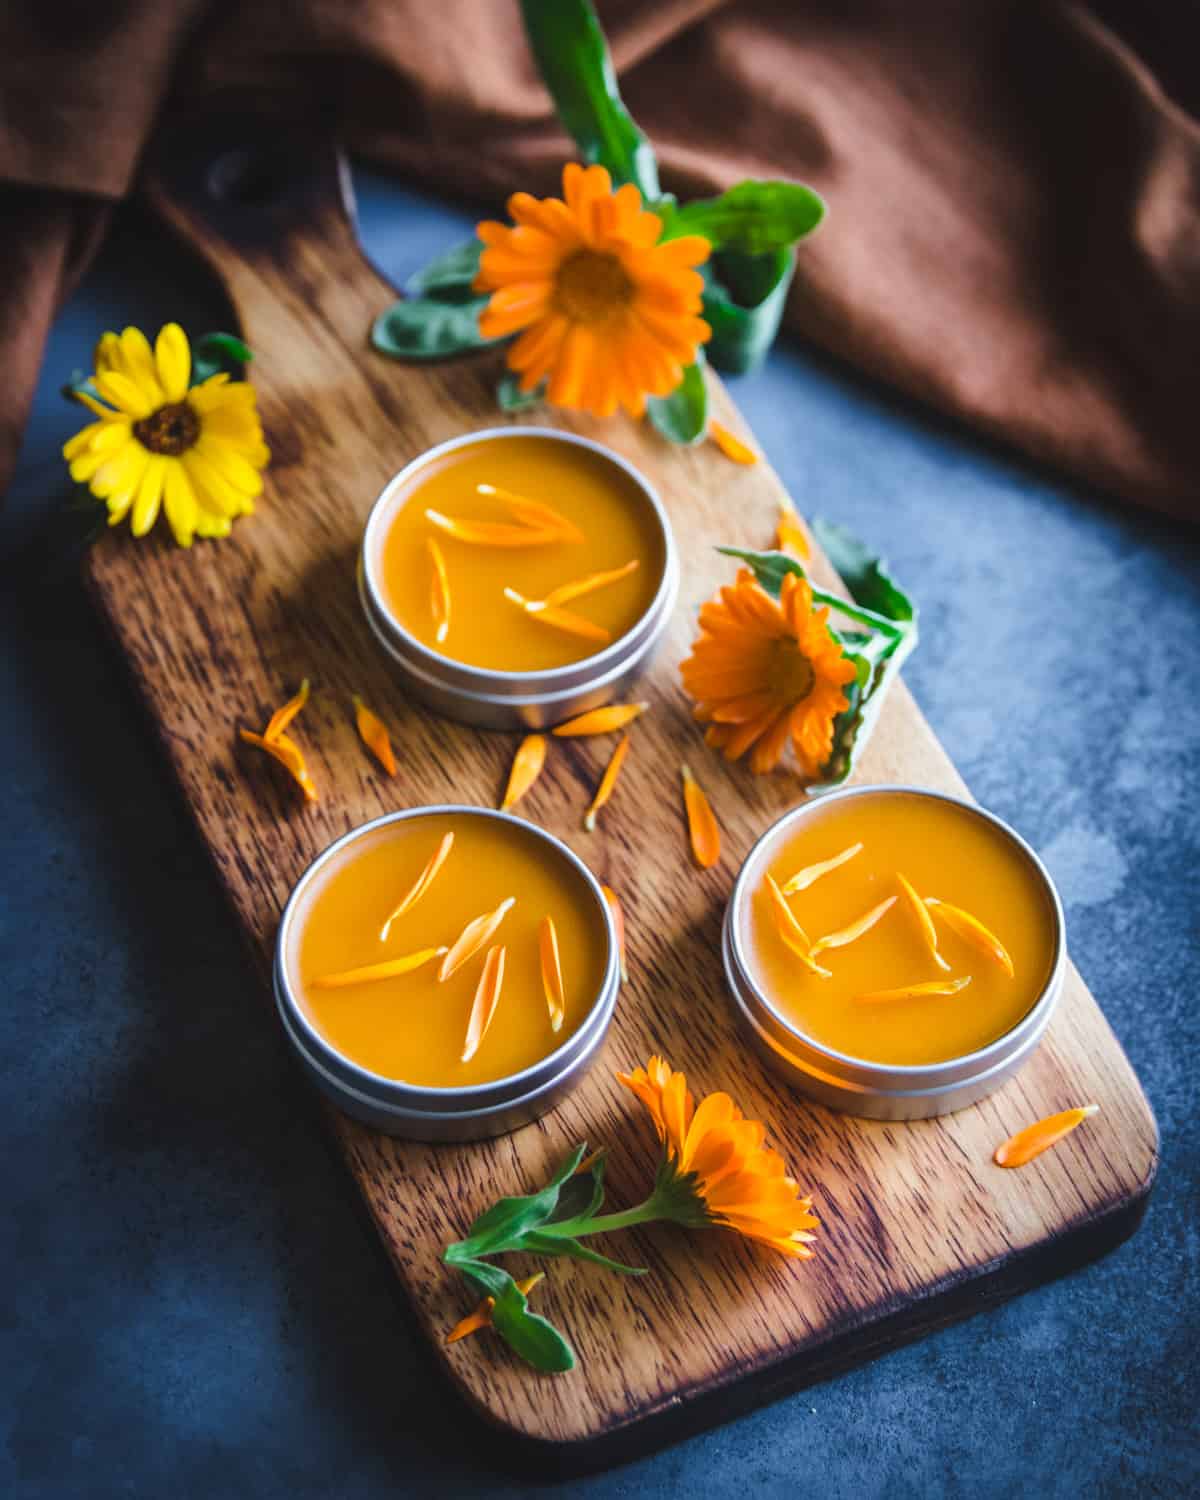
[899, 928]
[447, 950]
[520, 554]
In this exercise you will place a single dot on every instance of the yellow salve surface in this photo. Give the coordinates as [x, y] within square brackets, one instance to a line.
[411, 1027]
[485, 628]
[945, 852]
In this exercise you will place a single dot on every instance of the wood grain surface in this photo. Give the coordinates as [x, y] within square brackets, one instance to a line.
[918, 1226]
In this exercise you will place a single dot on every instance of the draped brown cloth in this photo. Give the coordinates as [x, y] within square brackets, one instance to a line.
[1014, 188]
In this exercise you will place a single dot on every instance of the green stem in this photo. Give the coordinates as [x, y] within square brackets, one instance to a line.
[855, 612]
[578, 1229]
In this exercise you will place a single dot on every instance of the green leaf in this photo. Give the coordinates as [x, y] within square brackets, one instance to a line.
[529, 1335]
[449, 278]
[582, 1194]
[572, 56]
[542, 1242]
[419, 328]
[81, 380]
[743, 304]
[756, 218]
[682, 417]
[864, 574]
[510, 396]
[217, 353]
[502, 1226]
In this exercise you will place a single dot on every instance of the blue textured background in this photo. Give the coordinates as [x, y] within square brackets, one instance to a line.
[191, 1307]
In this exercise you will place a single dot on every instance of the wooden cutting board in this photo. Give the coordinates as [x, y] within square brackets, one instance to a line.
[918, 1227]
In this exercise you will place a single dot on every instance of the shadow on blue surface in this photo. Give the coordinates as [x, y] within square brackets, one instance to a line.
[192, 1307]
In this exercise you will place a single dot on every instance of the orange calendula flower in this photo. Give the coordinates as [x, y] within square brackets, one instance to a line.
[764, 673]
[373, 733]
[716, 1168]
[1035, 1139]
[606, 315]
[163, 445]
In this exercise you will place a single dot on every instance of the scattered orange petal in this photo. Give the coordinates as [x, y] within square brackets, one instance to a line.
[609, 780]
[618, 916]
[568, 591]
[924, 921]
[790, 535]
[533, 513]
[601, 720]
[918, 991]
[1035, 1139]
[731, 445]
[439, 596]
[487, 997]
[802, 879]
[789, 929]
[561, 619]
[526, 768]
[371, 972]
[974, 931]
[552, 980]
[373, 732]
[491, 533]
[282, 717]
[482, 1316]
[472, 938]
[702, 824]
[287, 753]
[855, 930]
[422, 883]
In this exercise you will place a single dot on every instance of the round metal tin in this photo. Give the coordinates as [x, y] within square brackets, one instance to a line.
[491, 699]
[882, 1091]
[450, 1114]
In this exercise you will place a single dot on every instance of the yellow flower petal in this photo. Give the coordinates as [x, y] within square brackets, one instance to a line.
[173, 359]
[149, 495]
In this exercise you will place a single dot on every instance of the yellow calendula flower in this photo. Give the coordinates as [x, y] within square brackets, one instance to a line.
[716, 1168]
[158, 445]
[607, 315]
[764, 672]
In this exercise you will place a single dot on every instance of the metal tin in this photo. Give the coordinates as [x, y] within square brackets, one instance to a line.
[450, 1114]
[882, 1091]
[491, 699]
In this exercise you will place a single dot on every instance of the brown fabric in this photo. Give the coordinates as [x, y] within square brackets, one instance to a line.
[1014, 227]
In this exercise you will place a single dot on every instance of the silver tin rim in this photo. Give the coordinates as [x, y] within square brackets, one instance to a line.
[857, 1085]
[488, 685]
[370, 1095]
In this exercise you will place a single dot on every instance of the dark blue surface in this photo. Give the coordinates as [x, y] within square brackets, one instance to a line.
[192, 1307]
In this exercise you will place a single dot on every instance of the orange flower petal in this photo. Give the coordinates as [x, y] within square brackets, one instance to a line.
[810, 874]
[287, 753]
[600, 720]
[374, 735]
[439, 593]
[491, 533]
[558, 619]
[703, 831]
[790, 535]
[487, 997]
[924, 921]
[789, 929]
[472, 938]
[731, 445]
[855, 929]
[1035, 1139]
[568, 591]
[552, 979]
[372, 972]
[422, 883]
[526, 768]
[533, 513]
[282, 717]
[618, 917]
[918, 991]
[973, 930]
[607, 782]
[482, 1316]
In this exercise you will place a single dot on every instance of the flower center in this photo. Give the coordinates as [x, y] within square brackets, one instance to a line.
[591, 286]
[790, 675]
[171, 429]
